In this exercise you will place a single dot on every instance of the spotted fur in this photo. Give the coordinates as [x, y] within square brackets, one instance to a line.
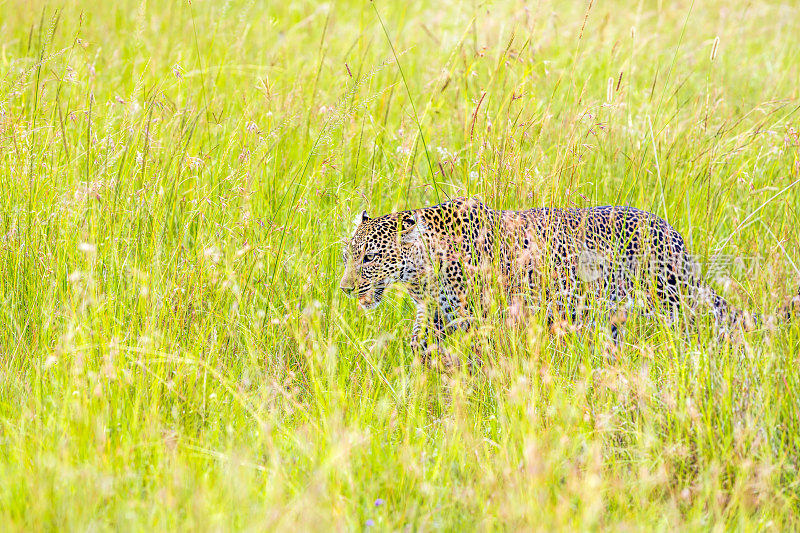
[567, 259]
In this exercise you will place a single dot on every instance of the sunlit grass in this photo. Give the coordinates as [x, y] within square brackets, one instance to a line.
[177, 178]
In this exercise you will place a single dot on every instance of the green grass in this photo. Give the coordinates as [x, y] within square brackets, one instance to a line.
[176, 178]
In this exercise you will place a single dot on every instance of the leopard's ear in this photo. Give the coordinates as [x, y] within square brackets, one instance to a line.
[360, 219]
[411, 227]
[407, 222]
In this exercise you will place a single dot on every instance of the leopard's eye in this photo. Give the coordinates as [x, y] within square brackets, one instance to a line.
[369, 257]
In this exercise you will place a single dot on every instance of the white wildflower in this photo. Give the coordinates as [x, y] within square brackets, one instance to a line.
[87, 248]
[213, 253]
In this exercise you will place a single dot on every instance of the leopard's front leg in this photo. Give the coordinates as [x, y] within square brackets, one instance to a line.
[419, 341]
[448, 296]
[444, 314]
[451, 311]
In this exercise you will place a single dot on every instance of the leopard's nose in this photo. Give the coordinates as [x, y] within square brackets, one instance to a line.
[347, 289]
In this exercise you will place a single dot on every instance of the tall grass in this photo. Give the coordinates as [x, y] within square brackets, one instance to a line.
[176, 177]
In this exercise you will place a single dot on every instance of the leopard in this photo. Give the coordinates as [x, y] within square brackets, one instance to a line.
[563, 260]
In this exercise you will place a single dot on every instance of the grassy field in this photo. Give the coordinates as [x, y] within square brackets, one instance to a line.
[177, 177]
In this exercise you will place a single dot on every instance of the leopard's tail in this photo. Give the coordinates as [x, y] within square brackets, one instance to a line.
[791, 308]
[726, 316]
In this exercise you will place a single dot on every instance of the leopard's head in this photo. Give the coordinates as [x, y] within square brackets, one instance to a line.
[380, 252]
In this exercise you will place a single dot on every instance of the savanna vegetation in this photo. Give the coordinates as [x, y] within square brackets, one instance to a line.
[177, 178]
